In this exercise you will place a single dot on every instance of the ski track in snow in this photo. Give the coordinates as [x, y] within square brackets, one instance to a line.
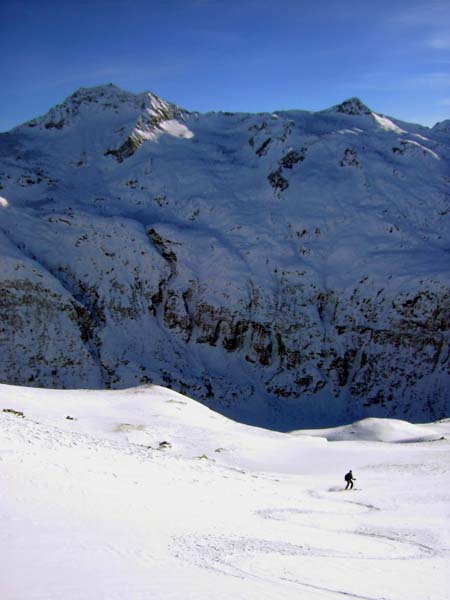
[89, 513]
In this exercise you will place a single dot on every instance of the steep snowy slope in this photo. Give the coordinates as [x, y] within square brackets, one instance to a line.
[288, 268]
[93, 504]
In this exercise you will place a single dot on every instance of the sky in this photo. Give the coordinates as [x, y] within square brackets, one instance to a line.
[231, 55]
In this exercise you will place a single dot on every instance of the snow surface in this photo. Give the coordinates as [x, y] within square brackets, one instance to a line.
[92, 508]
[387, 124]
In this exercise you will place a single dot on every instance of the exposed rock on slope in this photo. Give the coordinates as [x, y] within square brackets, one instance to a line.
[289, 269]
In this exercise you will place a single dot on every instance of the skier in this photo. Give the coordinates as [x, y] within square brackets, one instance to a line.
[349, 479]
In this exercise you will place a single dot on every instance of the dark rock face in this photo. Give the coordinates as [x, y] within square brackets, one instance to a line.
[287, 269]
[127, 149]
[44, 337]
[353, 107]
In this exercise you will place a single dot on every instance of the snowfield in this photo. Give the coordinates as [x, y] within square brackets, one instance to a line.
[94, 505]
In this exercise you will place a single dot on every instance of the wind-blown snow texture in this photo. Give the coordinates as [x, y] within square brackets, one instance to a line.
[289, 269]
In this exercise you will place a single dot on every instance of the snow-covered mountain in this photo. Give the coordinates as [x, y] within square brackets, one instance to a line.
[288, 269]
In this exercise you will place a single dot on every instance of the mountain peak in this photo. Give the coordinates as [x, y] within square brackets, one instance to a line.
[112, 96]
[106, 99]
[442, 126]
[97, 98]
[107, 96]
[94, 93]
[351, 106]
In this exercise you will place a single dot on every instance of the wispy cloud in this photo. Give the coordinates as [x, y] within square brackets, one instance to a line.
[386, 80]
[430, 22]
[440, 41]
[432, 14]
[431, 79]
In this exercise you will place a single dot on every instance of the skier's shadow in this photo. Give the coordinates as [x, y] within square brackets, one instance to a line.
[335, 488]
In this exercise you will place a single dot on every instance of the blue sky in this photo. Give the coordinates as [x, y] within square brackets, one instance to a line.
[236, 55]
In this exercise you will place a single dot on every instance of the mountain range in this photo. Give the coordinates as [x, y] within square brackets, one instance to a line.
[289, 269]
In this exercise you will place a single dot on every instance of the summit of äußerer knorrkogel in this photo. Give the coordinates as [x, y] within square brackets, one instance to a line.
[353, 107]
